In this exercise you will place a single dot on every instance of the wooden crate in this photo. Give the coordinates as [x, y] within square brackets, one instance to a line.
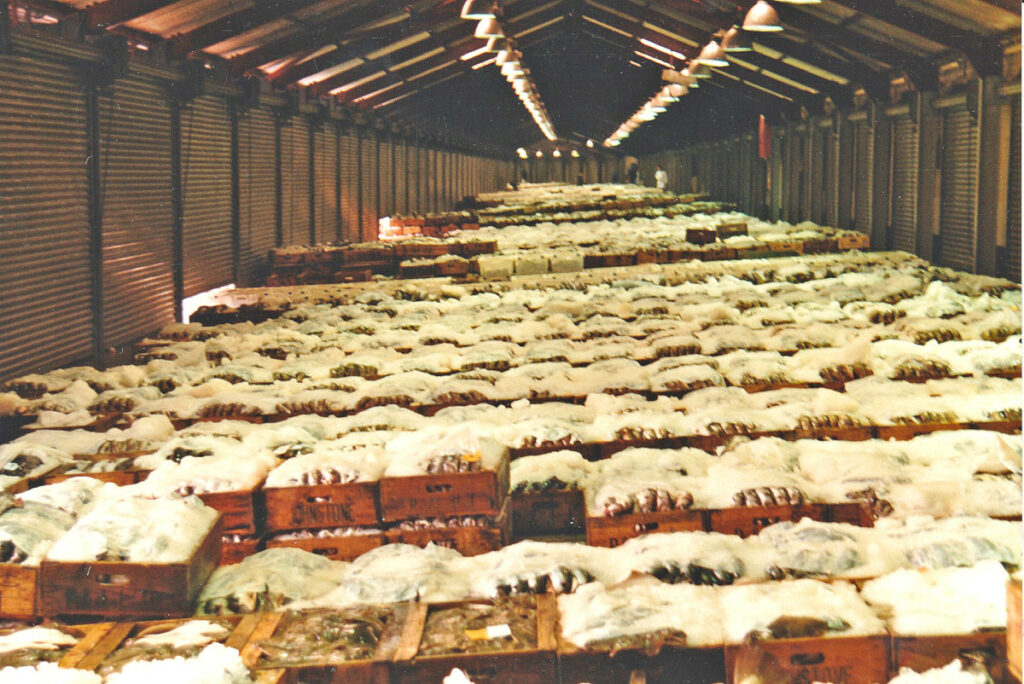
[700, 236]
[117, 634]
[718, 253]
[124, 590]
[532, 666]
[313, 507]
[232, 552]
[119, 477]
[928, 652]
[820, 246]
[1013, 628]
[452, 269]
[745, 521]
[545, 513]
[787, 246]
[1010, 427]
[612, 531]
[411, 270]
[241, 511]
[851, 660]
[469, 541]
[854, 241]
[347, 547]
[841, 434]
[91, 636]
[728, 230]
[854, 512]
[375, 671]
[669, 666]
[441, 496]
[420, 250]
[19, 591]
[902, 433]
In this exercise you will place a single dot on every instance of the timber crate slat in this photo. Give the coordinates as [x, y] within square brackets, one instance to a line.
[440, 496]
[746, 521]
[342, 547]
[611, 531]
[852, 660]
[543, 513]
[316, 506]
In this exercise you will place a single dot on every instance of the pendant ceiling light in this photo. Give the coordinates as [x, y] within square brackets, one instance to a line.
[675, 90]
[698, 70]
[712, 55]
[497, 44]
[763, 18]
[736, 40]
[478, 9]
[490, 28]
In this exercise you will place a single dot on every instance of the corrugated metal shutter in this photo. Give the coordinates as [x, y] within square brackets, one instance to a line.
[295, 219]
[904, 183]
[819, 137]
[401, 178]
[138, 217]
[863, 184]
[1013, 234]
[206, 194]
[423, 180]
[45, 311]
[349, 169]
[387, 178]
[959, 189]
[257, 189]
[368, 163]
[830, 156]
[325, 183]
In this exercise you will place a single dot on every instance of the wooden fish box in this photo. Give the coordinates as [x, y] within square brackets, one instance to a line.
[854, 513]
[544, 513]
[125, 589]
[854, 241]
[408, 269]
[745, 521]
[240, 627]
[19, 597]
[316, 506]
[1013, 628]
[603, 450]
[820, 246]
[718, 254]
[786, 246]
[700, 236]
[119, 477]
[241, 511]
[232, 552]
[669, 666]
[1010, 427]
[902, 433]
[921, 653]
[342, 547]
[728, 230]
[585, 450]
[372, 671]
[440, 496]
[420, 250]
[469, 541]
[535, 665]
[646, 256]
[473, 248]
[851, 660]
[844, 434]
[611, 531]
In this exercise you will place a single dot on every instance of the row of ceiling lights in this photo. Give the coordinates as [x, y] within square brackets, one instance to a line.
[508, 58]
[761, 18]
[575, 154]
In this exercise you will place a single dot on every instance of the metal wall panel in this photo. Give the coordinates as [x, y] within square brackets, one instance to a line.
[387, 178]
[905, 160]
[1013, 233]
[368, 164]
[208, 252]
[403, 159]
[45, 310]
[295, 181]
[348, 167]
[138, 216]
[257, 188]
[957, 218]
[325, 183]
[863, 185]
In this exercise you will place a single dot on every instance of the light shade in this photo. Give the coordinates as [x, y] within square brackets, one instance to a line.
[478, 9]
[497, 44]
[712, 55]
[698, 70]
[490, 28]
[675, 90]
[762, 17]
[736, 40]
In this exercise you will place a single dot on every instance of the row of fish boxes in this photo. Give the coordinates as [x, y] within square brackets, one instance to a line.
[564, 512]
[397, 657]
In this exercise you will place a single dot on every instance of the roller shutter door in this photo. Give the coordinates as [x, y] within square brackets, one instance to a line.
[959, 189]
[257, 189]
[295, 182]
[819, 183]
[208, 257]
[349, 170]
[423, 180]
[45, 312]
[325, 183]
[138, 216]
[863, 183]
[830, 163]
[904, 183]
[1013, 234]
[368, 180]
[387, 178]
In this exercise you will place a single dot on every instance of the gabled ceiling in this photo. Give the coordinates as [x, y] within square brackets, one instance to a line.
[594, 62]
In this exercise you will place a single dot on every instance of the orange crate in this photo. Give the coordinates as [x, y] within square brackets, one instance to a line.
[128, 590]
[312, 507]
[851, 660]
[612, 531]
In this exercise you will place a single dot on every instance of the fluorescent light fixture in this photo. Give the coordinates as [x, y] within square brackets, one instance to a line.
[635, 63]
[653, 59]
[355, 84]
[662, 48]
[481, 65]
[398, 45]
[332, 72]
[375, 93]
[473, 54]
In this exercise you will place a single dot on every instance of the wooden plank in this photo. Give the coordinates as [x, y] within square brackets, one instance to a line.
[105, 646]
[264, 630]
[93, 636]
[852, 660]
[18, 590]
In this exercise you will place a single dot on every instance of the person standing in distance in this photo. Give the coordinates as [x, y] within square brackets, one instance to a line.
[661, 178]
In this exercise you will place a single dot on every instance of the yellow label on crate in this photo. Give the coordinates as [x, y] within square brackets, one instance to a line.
[489, 632]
